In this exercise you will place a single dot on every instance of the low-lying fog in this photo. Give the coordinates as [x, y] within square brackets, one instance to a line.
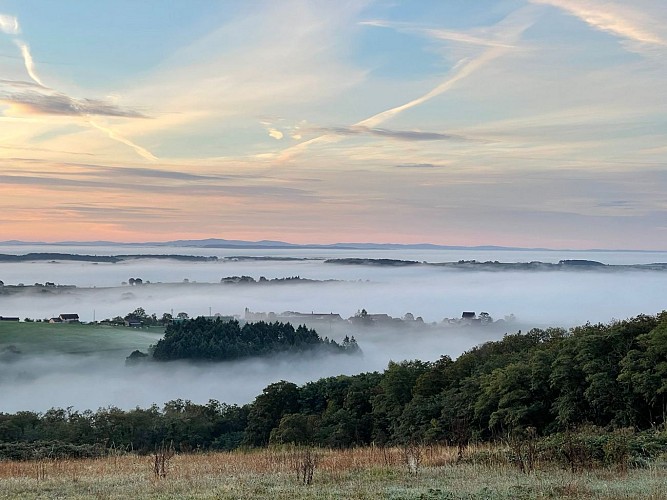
[544, 298]
[535, 298]
[92, 381]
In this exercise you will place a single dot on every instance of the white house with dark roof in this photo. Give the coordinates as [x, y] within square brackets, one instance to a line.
[69, 318]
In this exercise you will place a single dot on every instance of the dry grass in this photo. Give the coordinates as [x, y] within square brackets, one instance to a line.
[370, 473]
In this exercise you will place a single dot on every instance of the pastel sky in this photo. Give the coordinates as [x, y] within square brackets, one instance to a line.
[506, 122]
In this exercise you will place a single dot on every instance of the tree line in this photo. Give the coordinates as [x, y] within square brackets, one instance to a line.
[540, 383]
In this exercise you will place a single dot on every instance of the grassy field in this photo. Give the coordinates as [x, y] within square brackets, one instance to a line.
[368, 473]
[38, 338]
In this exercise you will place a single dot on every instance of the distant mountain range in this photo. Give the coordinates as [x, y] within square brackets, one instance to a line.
[220, 243]
[270, 244]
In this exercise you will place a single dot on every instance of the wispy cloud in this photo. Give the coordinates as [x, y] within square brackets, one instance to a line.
[418, 165]
[43, 100]
[283, 54]
[402, 135]
[9, 24]
[622, 20]
[78, 170]
[206, 190]
[108, 212]
[461, 71]
[143, 152]
[509, 30]
[61, 104]
[155, 173]
[275, 133]
[441, 135]
[45, 150]
[22, 84]
[440, 34]
[29, 62]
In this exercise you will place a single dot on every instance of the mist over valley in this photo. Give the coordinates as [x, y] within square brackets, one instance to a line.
[93, 374]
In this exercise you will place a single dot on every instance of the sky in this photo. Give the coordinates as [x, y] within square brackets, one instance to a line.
[533, 123]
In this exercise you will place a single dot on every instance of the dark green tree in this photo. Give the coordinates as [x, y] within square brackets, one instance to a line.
[276, 401]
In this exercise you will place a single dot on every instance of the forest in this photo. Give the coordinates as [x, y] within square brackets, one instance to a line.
[222, 340]
[599, 382]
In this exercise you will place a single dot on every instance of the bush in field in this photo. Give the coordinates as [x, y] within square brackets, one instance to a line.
[49, 450]
[135, 357]
[591, 447]
[304, 460]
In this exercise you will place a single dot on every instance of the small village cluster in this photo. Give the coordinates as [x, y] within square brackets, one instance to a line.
[61, 318]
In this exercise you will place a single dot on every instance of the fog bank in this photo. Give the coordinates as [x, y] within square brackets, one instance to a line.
[39, 382]
[537, 299]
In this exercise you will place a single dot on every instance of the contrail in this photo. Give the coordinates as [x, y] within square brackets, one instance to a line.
[438, 34]
[9, 24]
[29, 63]
[113, 135]
[461, 71]
[465, 69]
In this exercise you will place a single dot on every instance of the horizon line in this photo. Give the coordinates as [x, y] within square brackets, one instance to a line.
[276, 244]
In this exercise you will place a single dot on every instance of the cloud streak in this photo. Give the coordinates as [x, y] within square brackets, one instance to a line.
[10, 26]
[64, 105]
[143, 152]
[401, 135]
[512, 27]
[19, 84]
[418, 165]
[61, 104]
[618, 20]
[29, 62]
[439, 34]
[461, 71]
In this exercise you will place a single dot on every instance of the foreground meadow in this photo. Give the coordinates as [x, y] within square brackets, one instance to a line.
[360, 473]
[44, 338]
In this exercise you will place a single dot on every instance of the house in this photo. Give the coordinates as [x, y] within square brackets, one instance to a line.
[8, 318]
[293, 316]
[133, 323]
[259, 316]
[362, 318]
[380, 318]
[69, 318]
[55, 320]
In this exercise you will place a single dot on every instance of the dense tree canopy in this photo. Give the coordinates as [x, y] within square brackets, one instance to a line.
[218, 340]
[612, 376]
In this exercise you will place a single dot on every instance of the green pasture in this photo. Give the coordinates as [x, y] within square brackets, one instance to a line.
[37, 338]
